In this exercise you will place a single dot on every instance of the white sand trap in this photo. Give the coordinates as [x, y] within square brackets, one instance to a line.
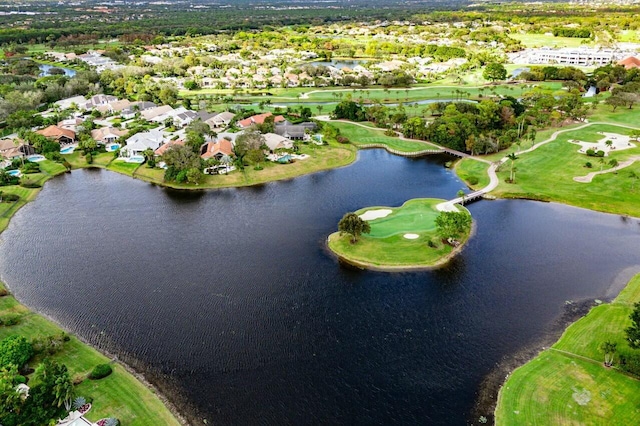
[618, 143]
[375, 214]
[411, 236]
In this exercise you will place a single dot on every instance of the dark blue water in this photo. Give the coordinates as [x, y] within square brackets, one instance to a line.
[228, 299]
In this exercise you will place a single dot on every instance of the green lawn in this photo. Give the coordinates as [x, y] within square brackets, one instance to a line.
[568, 384]
[123, 167]
[386, 246]
[363, 136]
[543, 40]
[468, 169]
[547, 173]
[119, 395]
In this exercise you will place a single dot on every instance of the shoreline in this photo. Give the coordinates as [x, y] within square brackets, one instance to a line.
[178, 416]
[439, 263]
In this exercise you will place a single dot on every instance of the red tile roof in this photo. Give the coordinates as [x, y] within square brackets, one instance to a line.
[223, 146]
[55, 132]
[630, 62]
[161, 150]
[259, 119]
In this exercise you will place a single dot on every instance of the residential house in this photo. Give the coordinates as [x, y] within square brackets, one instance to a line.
[71, 123]
[151, 113]
[275, 142]
[294, 131]
[217, 149]
[60, 135]
[258, 119]
[67, 103]
[221, 120]
[134, 107]
[163, 148]
[630, 62]
[116, 106]
[140, 142]
[10, 150]
[98, 100]
[107, 135]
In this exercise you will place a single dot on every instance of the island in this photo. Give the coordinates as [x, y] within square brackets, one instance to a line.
[416, 235]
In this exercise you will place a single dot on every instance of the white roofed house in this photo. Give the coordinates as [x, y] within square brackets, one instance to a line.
[221, 120]
[275, 142]
[140, 142]
[107, 135]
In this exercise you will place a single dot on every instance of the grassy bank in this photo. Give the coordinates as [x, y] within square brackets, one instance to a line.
[359, 135]
[568, 384]
[119, 395]
[385, 247]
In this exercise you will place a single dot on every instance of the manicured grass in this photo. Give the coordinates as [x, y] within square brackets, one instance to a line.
[320, 158]
[123, 167]
[359, 135]
[386, 247]
[119, 395]
[467, 168]
[548, 172]
[543, 40]
[568, 384]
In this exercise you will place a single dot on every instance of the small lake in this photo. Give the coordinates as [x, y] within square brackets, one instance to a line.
[230, 303]
[44, 70]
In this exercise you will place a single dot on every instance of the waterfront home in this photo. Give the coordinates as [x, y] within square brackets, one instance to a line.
[71, 123]
[107, 135]
[258, 119]
[163, 148]
[14, 148]
[140, 142]
[294, 131]
[221, 120]
[58, 134]
[216, 149]
[275, 142]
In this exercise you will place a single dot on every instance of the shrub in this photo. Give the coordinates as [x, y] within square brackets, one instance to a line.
[100, 371]
[15, 350]
[630, 362]
[432, 244]
[3, 292]
[27, 183]
[89, 158]
[342, 139]
[30, 168]
[588, 165]
[9, 320]
[473, 180]
[8, 198]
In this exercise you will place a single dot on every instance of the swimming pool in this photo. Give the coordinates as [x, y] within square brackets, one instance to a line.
[67, 150]
[15, 173]
[284, 159]
[112, 147]
[36, 158]
[136, 159]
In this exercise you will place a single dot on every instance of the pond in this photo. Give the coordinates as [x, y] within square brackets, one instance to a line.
[44, 70]
[230, 303]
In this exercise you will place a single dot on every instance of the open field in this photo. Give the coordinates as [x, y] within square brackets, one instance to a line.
[119, 395]
[386, 245]
[568, 383]
[321, 158]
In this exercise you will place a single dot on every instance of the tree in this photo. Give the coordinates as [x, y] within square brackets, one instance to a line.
[452, 225]
[461, 195]
[494, 71]
[353, 225]
[608, 348]
[513, 157]
[15, 350]
[634, 178]
[633, 331]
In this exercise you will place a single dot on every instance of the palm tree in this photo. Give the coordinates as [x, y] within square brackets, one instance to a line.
[513, 157]
[613, 163]
[461, 195]
[608, 348]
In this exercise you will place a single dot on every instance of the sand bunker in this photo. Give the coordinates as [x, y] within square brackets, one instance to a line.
[411, 236]
[375, 214]
[618, 143]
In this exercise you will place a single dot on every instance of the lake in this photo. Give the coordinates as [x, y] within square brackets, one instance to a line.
[341, 63]
[230, 303]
